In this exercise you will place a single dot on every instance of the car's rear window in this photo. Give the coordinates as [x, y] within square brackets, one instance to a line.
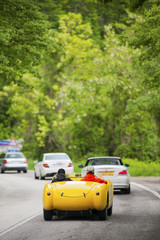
[104, 161]
[14, 155]
[56, 157]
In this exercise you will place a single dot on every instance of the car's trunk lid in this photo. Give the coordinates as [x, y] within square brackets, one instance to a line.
[108, 171]
[57, 163]
[73, 189]
[15, 160]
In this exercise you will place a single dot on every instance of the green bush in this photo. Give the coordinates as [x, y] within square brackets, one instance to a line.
[139, 168]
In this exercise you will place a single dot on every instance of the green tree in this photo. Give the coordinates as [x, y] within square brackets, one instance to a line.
[23, 38]
[144, 35]
[77, 68]
[92, 91]
[95, 12]
[89, 96]
[126, 121]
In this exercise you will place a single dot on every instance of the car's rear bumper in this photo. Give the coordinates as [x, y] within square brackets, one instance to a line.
[119, 182]
[50, 174]
[15, 168]
[118, 186]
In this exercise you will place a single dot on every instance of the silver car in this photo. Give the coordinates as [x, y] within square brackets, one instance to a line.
[110, 168]
[51, 163]
[13, 161]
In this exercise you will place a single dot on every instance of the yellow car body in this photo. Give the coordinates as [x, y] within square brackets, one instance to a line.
[76, 195]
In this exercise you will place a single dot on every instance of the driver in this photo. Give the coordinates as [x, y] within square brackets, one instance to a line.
[60, 176]
[91, 177]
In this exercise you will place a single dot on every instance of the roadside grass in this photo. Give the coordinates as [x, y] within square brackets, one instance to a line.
[30, 164]
[136, 168]
[139, 168]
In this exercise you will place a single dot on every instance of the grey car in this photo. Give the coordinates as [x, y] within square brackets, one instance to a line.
[13, 161]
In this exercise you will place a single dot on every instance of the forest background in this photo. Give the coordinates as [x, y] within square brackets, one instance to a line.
[81, 77]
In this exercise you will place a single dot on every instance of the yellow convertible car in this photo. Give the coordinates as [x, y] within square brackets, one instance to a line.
[77, 196]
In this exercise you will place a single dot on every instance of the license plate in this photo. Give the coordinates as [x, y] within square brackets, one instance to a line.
[57, 164]
[107, 173]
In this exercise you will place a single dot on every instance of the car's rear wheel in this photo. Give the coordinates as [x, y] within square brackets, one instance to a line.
[1, 170]
[47, 214]
[25, 171]
[40, 177]
[110, 210]
[18, 171]
[35, 176]
[103, 214]
[127, 190]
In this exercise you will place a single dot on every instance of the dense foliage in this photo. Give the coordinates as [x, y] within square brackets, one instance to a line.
[86, 81]
[22, 38]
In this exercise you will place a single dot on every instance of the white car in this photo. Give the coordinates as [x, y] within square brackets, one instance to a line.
[11, 161]
[51, 163]
[110, 168]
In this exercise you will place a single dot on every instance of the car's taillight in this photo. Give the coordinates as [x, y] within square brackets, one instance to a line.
[124, 172]
[25, 161]
[5, 161]
[70, 164]
[45, 165]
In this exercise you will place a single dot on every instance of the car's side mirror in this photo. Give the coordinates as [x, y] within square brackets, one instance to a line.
[80, 166]
[127, 165]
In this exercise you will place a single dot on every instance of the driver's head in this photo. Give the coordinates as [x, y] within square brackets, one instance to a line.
[90, 170]
[61, 170]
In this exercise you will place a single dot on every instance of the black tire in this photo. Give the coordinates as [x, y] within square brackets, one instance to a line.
[25, 171]
[35, 176]
[110, 210]
[40, 177]
[18, 171]
[2, 170]
[103, 214]
[47, 214]
[127, 190]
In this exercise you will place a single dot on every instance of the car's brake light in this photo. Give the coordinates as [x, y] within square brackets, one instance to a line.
[5, 161]
[25, 161]
[123, 172]
[70, 165]
[45, 165]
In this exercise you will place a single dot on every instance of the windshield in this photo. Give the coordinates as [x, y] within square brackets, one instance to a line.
[104, 161]
[14, 155]
[56, 157]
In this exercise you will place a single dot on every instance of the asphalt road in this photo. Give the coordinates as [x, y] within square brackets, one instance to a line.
[135, 216]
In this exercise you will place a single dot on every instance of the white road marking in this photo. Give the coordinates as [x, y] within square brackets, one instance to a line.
[147, 189]
[20, 223]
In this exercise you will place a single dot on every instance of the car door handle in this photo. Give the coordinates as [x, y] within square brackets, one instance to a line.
[62, 194]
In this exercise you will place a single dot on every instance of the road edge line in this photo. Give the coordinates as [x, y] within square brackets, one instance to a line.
[18, 224]
[147, 189]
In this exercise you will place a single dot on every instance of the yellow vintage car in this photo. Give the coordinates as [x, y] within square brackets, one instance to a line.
[82, 196]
